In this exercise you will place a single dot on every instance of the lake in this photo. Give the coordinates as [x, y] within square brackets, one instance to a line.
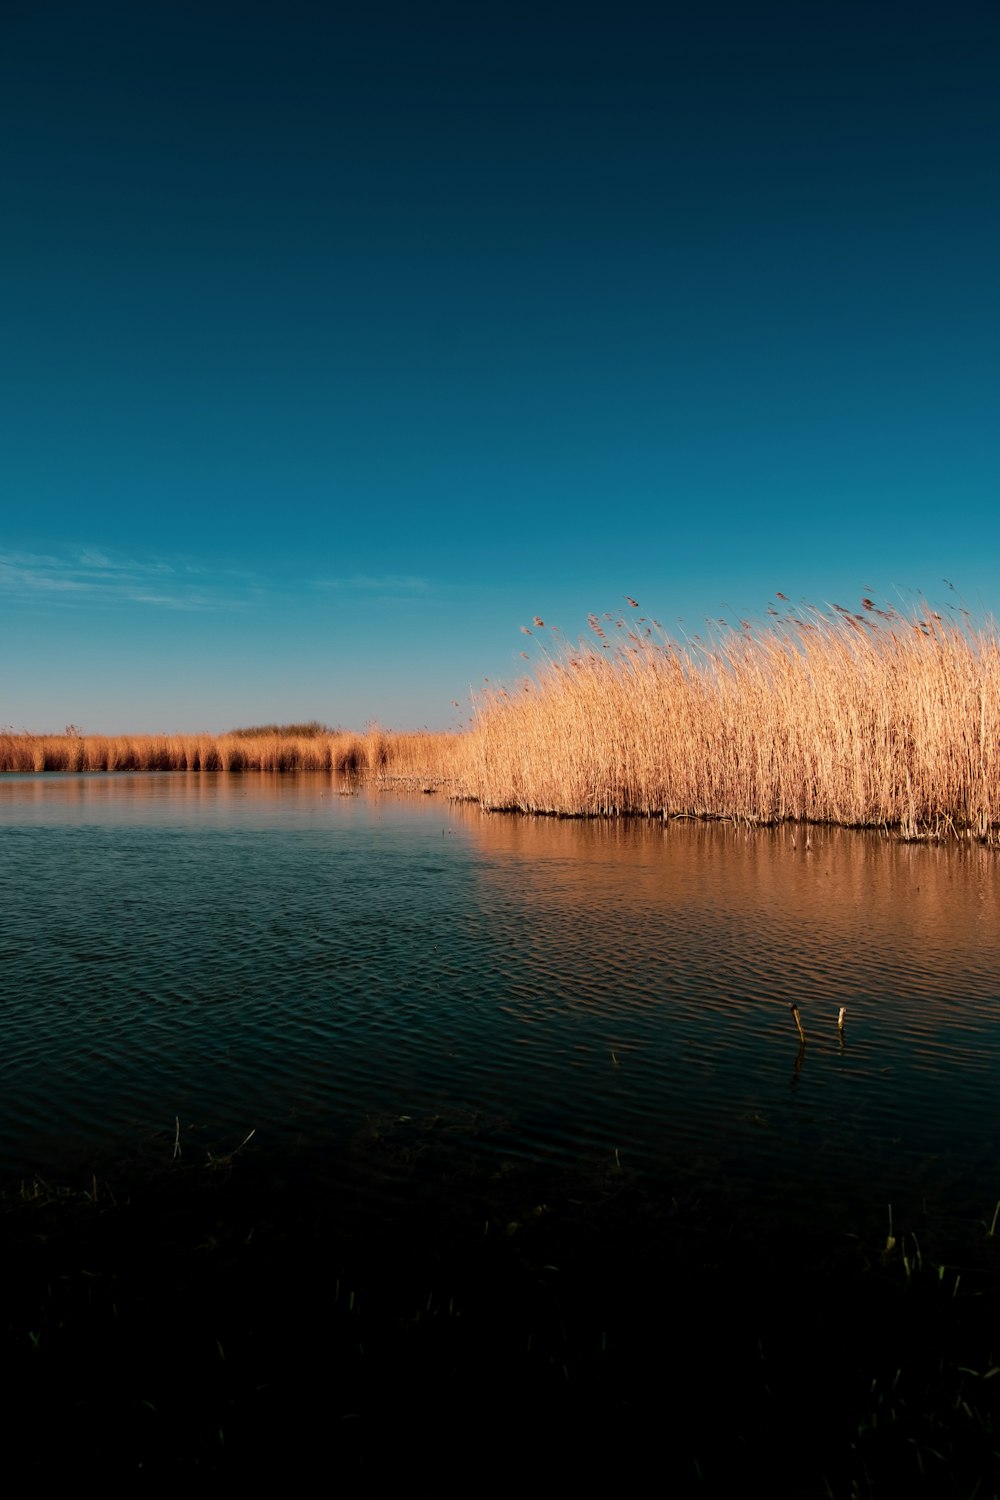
[196, 957]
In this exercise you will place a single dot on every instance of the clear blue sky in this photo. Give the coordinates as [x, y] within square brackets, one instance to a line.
[339, 340]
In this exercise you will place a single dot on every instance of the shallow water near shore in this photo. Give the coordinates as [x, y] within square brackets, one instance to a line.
[327, 966]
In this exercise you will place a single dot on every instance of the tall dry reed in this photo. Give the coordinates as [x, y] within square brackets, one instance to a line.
[863, 719]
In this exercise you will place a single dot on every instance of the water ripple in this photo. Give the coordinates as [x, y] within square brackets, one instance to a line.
[269, 955]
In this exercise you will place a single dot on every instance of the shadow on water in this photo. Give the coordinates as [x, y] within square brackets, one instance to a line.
[417, 1303]
[541, 1174]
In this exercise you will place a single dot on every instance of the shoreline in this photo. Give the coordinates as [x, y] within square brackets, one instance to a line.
[867, 719]
[944, 830]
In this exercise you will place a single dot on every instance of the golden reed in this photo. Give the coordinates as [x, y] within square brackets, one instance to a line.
[374, 752]
[865, 719]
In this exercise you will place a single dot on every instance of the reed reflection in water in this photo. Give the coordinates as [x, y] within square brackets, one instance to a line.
[266, 952]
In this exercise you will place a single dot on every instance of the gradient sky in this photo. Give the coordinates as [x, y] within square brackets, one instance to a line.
[339, 340]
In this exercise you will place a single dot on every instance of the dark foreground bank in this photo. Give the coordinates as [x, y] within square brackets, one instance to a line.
[416, 1309]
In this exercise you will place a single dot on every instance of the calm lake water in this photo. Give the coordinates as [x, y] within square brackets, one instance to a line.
[267, 953]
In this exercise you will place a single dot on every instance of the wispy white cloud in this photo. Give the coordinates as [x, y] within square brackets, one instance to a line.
[91, 576]
[368, 583]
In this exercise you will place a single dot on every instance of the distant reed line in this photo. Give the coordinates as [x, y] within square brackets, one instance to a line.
[861, 719]
[371, 753]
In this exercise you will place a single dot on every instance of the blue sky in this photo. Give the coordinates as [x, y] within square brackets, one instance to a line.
[337, 341]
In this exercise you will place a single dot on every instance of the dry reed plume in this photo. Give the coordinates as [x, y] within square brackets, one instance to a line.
[862, 719]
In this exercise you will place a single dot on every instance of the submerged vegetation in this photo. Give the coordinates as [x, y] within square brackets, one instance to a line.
[865, 719]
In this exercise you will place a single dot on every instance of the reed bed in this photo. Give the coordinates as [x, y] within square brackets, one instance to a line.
[867, 720]
[372, 752]
[864, 719]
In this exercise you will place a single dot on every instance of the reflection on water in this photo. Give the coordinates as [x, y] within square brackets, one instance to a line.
[267, 952]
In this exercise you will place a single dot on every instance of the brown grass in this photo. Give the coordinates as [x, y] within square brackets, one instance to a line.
[373, 752]
[865, 720]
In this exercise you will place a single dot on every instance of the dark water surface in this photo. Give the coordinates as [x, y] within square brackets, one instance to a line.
[266, 953]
